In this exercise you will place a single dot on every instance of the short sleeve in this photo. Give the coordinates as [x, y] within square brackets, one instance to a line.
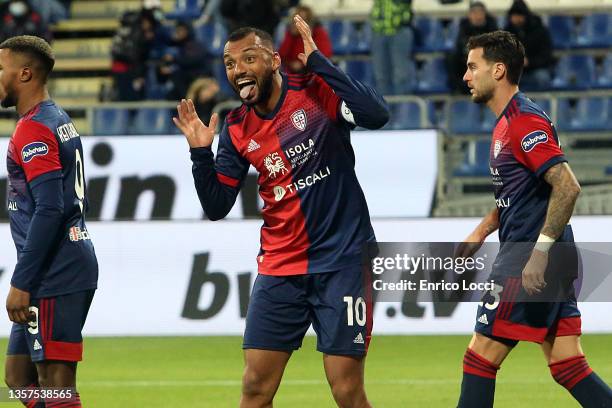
[231, 167]
[534, 143]
[37, 149]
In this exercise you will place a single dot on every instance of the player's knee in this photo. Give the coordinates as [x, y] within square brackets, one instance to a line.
[349, 393]
[257, 385]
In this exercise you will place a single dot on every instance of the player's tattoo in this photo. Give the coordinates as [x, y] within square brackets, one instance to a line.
[565, 190]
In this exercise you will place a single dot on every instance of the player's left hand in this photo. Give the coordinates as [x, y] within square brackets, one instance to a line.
[18, 305]
[533, 274]
[309, 44]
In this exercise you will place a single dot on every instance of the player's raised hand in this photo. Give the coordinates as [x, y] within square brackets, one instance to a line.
[309, 44]
[533, 273]
[18, 305]
[196, 132]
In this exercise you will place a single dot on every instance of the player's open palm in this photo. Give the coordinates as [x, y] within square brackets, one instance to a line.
[196, 132]
[533, 273]
[306, 34]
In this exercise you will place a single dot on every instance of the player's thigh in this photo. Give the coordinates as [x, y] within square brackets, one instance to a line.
[19, 370]
[57, 373]
[278, 315]
[342, 311]
[562, 347]
[494, 350]
[264, 367]
[340, 369]
[563, 340]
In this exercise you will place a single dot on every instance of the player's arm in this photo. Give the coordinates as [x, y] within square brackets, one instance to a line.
[366, 108]
[44, 176]
[217, 182]
[471, 245]
[563, 196]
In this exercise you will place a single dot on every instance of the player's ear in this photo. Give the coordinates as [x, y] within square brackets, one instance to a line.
[276, 61]
[25, 74]
[499, 70]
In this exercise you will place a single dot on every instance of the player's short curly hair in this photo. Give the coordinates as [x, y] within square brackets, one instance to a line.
[243, 32]
[504, 47]
[36, 49]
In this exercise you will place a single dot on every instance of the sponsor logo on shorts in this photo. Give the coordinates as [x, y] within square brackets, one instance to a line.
[533, 139]
[31, 150]
[483, 319]
[37, 345]
[359, 339]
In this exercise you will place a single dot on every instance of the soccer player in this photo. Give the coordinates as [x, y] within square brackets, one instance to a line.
[294, 129]
[535, 192]
[56, 272]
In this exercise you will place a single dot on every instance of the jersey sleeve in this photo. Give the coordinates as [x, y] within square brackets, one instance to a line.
[37, 148]
[218, 182]
[534, 143]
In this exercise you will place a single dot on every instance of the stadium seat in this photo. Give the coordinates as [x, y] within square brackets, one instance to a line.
[574, 72]
[221, 77]
[488, 119]
[604, 75]
[595, 31]
[213, 35]
[110, 121]
[609, 170]
[430, 34]
[476, 162]
[465, 117]
[585, 114]
[151, 121]
[363, 38]
[360, 70]
[405, 115]
[342, 36]
[186, 10]
[452, 30]
[432, 77]
[561, 30]
[544, 104]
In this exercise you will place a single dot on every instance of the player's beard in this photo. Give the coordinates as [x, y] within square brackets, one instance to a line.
[265, 89]
[483, 96]
[9, 99]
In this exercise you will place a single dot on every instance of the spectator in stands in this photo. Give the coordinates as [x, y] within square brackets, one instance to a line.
[51, 11]
[478, 21]
[537, 41]
[392, 44]
[262, 14]
[204, 93]
[293, 45]
[20, 18]
[184, 62]
[130, 51]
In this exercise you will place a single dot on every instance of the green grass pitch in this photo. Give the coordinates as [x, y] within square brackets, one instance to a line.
[402, 371]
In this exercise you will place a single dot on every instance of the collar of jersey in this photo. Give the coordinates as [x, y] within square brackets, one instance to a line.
[279, 104]
[41, 103]
[515, 96]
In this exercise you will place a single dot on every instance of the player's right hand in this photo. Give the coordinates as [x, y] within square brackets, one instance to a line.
[469, 246]
[196, 132]
[18, 305]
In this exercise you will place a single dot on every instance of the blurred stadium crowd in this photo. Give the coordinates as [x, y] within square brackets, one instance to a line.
[122, 64]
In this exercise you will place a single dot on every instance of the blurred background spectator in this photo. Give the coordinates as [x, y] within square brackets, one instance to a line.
[19, 18]
[51, 11]
[534, 35]
[392, 44]
[293, 45]
[183, 62]
[262, 14]
[204, 93]
[478, 21]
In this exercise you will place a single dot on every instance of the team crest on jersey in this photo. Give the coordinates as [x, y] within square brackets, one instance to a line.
[298, 118]
[275, 165]
[533, 139]
[497, 148]
[31, 150]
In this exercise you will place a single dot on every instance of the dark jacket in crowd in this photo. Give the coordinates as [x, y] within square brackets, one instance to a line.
[537, 42]
[262, 14]
[467, 30]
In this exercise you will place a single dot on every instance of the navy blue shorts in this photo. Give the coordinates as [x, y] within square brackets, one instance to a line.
[502, 318]
[282, 308]
[56, 333]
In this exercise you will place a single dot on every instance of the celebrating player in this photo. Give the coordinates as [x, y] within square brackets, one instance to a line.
[294, 129]
[57, 271]
[535, 192]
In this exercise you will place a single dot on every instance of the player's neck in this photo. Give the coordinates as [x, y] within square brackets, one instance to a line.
[502, 97]
[268, 106]
[29, 100]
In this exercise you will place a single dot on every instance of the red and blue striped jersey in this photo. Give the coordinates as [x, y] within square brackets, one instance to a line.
[524, 146]
[315, 214]
[46, 203]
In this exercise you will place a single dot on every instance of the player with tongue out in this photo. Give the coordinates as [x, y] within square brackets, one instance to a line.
[316, 220]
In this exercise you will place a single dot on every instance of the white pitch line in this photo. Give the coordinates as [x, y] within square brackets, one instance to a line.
[237, 383]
